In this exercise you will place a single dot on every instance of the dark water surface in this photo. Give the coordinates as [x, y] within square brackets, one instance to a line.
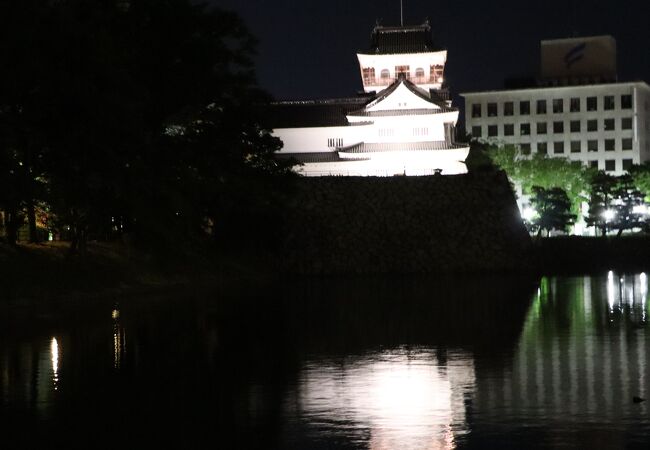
[369, 364]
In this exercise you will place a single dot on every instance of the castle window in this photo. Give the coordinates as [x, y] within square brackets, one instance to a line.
[436, 73]
[385, 74]
[403, 70]
[419, 74]
[369, 75]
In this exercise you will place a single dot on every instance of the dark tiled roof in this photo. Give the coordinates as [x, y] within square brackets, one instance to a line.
[400, 146]
[312, 113]
[315, 157]
[396, 40]
[400, 112]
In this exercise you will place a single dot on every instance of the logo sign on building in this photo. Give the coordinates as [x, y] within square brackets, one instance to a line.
[591, 57]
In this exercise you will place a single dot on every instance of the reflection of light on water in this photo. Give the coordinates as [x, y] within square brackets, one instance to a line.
[118, 338]
[611, 290]
[54, 352]
[406, 401]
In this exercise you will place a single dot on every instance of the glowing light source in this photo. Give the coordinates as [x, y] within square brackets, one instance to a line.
[528, 213]
[609, 214]
[640, 209]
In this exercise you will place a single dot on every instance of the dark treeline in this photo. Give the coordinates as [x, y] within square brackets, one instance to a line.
[136, 118]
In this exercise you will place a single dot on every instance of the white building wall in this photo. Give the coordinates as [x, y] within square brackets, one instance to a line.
[415, 61]
[605, 159]
[317, 139]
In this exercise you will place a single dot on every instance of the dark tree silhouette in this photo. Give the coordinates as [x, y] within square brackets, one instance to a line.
[553, 209]
[132, 116]
[600, 200]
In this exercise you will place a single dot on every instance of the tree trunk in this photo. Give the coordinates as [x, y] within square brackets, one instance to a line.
[12, 223]
[620, 231]
[31, 220]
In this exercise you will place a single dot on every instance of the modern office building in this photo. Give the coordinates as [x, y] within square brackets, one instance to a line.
[576, 109]
[402, 124]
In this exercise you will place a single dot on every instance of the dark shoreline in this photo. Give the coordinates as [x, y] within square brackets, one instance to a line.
[36, 273]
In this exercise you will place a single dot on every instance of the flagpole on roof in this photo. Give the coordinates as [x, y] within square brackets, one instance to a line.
[401, 12]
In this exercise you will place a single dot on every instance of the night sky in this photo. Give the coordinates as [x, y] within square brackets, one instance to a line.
[307, 48]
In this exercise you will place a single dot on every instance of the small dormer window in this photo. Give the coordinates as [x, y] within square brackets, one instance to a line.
[419, 74]
[385, 74]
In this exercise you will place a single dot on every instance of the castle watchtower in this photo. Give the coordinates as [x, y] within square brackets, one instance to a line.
[402, 52]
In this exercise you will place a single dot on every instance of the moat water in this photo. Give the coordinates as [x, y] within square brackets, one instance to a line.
[351, 364]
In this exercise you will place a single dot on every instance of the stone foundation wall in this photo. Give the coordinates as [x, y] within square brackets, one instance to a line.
[404, 225]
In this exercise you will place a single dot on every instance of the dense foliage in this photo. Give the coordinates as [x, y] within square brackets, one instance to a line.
[615, 203]
[138, 117]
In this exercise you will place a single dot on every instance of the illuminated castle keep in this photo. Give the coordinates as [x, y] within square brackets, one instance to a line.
[402, 125]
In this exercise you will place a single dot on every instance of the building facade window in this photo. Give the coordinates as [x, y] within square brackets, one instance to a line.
[574, 126]
[576, 146]
[492, 109]
[419, 74]
[610, 165]
[627, 164]
[610, 145]
[477, 131]
[558, 127]
[476, 107]
[525, 149]
[626, 101]
[592, 103]
[626, 143]
[508, 129]
[593, 164]
[524, 107]
[508, 109]
[609, 124]
[541, 127]
[542, 148]
[385, 75]
[574, 104]
[492, 131]
[592, 145]
[626, 123]
[524, 129]
[541, 106]
[592, 125]
[608, 102]
[558, 105]
[558, 147]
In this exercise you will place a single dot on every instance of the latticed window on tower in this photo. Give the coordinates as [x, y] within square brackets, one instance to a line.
[404, 71]
[369, 75]
[436, 73]
[419, 75]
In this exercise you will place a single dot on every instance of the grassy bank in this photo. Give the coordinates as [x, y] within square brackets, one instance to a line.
[42, 271]
[580, 255]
